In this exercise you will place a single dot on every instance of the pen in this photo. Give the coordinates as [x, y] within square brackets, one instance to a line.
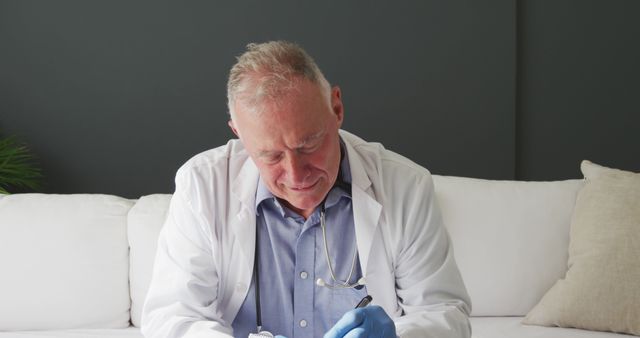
[364, 302]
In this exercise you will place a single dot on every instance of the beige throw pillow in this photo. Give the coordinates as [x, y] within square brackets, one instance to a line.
[601, 290]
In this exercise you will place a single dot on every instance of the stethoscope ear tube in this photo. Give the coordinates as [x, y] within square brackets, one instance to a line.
[257, 284]
[346, 284]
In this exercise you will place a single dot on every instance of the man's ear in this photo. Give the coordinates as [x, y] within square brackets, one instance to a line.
[233, 128]
[336, 104]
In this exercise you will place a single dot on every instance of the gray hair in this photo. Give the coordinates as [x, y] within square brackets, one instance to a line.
[268, 70]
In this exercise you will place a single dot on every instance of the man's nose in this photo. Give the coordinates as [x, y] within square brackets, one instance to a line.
[297, 169]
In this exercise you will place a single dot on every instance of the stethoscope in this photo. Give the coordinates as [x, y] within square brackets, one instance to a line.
[336, 284]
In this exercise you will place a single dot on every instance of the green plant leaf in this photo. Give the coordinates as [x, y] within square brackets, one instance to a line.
[18, 167]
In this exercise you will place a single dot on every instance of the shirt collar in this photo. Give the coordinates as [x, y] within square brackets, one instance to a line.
[333, 197]
[262, 193]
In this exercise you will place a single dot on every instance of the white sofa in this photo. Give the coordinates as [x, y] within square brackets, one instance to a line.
[84, 261]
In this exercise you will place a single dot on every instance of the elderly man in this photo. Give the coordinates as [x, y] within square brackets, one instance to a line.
[286, 229]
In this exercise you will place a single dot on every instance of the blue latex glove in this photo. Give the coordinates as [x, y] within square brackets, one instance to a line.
[370, 321]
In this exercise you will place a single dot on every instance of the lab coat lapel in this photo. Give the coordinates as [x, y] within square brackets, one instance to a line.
[244, 222]
[366, 210]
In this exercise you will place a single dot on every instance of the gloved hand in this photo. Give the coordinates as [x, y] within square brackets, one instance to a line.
[370, 321]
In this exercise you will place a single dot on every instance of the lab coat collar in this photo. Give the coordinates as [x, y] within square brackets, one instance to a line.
[358, 173]
[245, 183]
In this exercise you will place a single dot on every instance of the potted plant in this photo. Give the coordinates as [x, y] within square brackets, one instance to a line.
[17, 167]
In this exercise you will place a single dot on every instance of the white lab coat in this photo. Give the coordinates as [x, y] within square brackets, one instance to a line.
[204, 261]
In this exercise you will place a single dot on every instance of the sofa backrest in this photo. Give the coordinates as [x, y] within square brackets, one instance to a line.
[510, 238]
[65, 261]
[145, 220]
[86, 260]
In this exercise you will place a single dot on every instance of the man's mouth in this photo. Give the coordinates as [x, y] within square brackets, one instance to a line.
[305, 188]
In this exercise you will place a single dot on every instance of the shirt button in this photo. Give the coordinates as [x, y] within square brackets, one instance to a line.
[304, 275]
[303, 323]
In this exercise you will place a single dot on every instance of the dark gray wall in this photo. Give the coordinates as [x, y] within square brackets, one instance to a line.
[579, 86]
[114, 96]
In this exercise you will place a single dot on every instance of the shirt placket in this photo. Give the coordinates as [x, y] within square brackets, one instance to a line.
[303, 293]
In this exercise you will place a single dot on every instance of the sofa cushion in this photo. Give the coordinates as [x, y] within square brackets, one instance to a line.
[510, 238]
[601, 290]
[130, 332]
[146, 219]
[64, 262]
[511, 327]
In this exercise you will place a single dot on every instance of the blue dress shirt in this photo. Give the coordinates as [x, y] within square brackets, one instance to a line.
[291, 258]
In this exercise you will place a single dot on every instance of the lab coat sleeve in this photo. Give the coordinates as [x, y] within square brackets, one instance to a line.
[183, 295]
[429, 286]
